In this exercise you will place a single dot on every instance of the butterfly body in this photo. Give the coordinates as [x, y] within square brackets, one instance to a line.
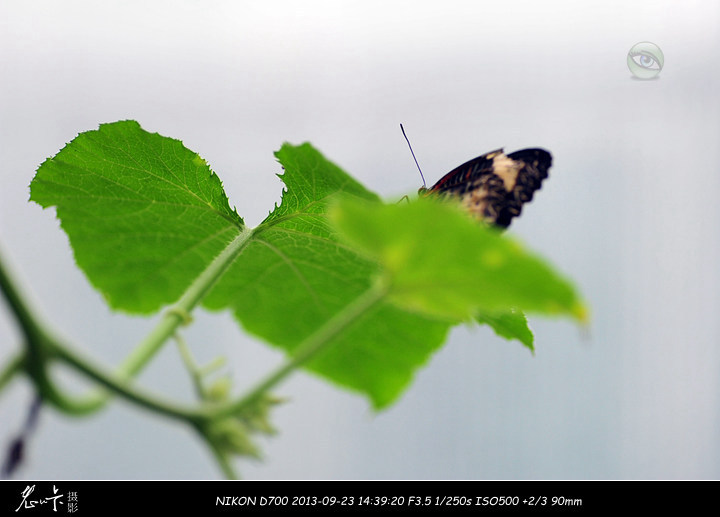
[493, 187]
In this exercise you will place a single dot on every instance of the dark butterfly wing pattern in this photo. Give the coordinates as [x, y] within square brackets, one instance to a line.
[494, 187]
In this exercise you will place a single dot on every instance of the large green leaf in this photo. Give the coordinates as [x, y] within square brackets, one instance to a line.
[144, 214]
[442, 263]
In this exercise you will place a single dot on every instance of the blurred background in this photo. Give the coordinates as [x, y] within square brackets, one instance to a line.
[630, 213]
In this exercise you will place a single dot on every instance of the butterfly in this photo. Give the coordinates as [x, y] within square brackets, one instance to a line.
[494, 187]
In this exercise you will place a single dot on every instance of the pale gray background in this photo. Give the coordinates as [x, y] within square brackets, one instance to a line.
[630, 212]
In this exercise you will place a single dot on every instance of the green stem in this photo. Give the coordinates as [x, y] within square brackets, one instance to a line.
[195, 374]
[179, 314]
[12, 368]
[121, 387]
[168, 325]
[222, 460]
[313, 344]
[24, 316]
[42, 347]
[35, 358]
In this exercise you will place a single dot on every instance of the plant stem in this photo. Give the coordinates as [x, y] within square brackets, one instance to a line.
[180, 312]
[24, 316]
[222, 460]
[43, 347]
[192, 368]
[12, 368]
[313, 344]
[122, 387]
[35, 358]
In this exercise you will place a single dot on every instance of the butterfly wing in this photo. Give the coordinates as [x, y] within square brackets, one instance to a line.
[494, 186]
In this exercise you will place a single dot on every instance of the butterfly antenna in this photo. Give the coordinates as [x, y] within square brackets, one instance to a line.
[413, 155]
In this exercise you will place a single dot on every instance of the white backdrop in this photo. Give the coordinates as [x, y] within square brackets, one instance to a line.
[630, 212]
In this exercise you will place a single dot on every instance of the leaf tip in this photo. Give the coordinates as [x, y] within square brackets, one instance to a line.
[582, 313]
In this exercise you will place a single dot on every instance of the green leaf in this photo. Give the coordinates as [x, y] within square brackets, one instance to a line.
[144, 214]
[510, 325]
[442, 263]
[295, 275]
